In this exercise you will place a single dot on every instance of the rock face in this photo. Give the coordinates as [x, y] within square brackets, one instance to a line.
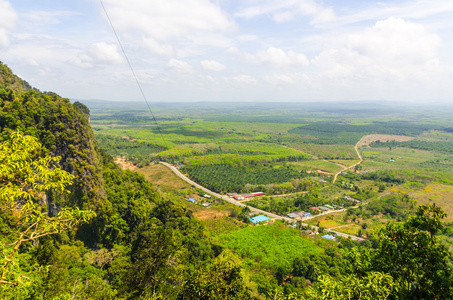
[62, 128]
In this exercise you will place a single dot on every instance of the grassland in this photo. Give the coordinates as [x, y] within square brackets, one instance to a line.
[318, 165]
[163, 177]
[440, 194]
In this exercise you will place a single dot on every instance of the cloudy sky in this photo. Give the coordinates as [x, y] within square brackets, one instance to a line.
[233, 50]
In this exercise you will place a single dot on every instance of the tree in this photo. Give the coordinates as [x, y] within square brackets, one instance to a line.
[373, 286]
[25, 176]
[157, 263]
[220, 280]
[414, 257]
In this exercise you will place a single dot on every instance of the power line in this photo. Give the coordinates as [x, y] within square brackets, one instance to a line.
[133, 73]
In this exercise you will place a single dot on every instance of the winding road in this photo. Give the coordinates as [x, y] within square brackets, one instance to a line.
[235, 202]
[352, 166]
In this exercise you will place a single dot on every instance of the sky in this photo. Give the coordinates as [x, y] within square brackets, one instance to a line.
[233, 50]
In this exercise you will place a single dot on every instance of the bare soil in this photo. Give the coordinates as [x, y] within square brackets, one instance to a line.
[367, 140]
[124, 164]
[209, 214]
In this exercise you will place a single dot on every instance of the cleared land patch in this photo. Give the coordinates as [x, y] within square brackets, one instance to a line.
[124, 163]
[317, 165]
[367, 140]
[163, 177]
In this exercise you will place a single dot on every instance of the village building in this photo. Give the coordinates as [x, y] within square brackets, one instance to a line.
[293, 215]
[328, 237]
[259, 219]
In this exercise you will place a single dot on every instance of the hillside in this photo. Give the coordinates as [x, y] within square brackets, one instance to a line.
[98, 259]
[10, 81]
[135, 241]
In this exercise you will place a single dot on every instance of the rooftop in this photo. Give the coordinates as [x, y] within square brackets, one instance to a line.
[259, 219]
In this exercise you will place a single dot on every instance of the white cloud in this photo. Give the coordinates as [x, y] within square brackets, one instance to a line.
[279, 58]
[180, 22]
[280, 78]
[40, 18]
[418, 9]
[288, 10]
[175, 44]
[396, 41]
[99, 54]
[32, 62]
[180, 66]
[8, 18]
[212, 65]
[158, 48]
[103, 53]
[393, 52]
[245, 79]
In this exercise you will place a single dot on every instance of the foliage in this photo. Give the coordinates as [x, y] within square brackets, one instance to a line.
[219, 225]
[142, 243]
[258, 151]
[131, 199]
[285, 205]
[395, 206]
[336, 151]
[373, 286]
[63, 131]
[443, 147]
[11, 82]
[443, 164]
[338, 133]
[225, 178]
[272, 246]
[414, 257]
[221, 279]
[23, 175]
[156, 265]
[137, 152]
[70, 273]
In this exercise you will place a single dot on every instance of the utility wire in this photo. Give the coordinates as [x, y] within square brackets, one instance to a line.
[133, 73]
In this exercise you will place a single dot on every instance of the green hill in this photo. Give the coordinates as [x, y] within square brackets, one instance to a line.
[100, 259]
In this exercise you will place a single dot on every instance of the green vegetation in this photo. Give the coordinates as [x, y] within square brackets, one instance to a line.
[286, 205]
[99, 259]
[338, 133]
[326, 151]
[137, 152]
[442, 147]
[272, 246]
[225, 178]
[74, 225]
[23, 175]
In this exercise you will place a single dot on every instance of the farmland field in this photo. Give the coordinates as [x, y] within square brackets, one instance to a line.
[291, 150]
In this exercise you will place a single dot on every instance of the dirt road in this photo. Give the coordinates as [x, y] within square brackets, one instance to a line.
[357, 163]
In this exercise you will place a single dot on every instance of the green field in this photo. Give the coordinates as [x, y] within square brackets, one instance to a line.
[272, 246]
[284, 149]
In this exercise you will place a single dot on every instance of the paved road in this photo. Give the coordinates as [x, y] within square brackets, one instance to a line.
[235, 202]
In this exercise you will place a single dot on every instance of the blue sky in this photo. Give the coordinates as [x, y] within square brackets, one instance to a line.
[222, 50]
